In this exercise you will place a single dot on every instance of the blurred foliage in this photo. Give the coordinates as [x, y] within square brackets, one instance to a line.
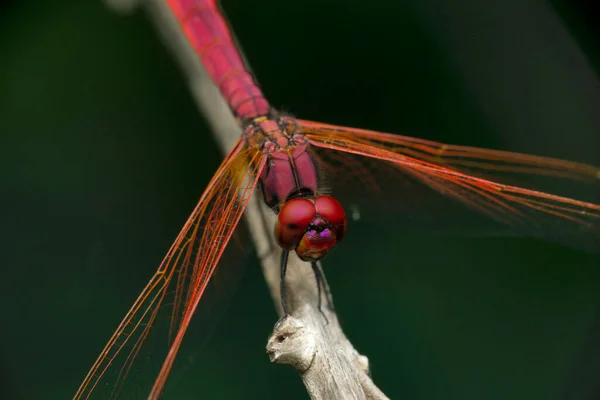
[104, 155]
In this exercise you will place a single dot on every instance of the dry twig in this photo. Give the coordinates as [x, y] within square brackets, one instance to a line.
[318, 349]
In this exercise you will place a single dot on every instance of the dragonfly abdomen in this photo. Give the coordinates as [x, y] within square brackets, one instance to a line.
[207, 32]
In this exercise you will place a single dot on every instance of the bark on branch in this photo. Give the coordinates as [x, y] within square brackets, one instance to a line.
[311, 339]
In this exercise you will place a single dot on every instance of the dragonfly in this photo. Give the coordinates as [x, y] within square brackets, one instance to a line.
[298, 166]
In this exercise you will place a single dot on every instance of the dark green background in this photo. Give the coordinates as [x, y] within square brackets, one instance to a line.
[104, 155]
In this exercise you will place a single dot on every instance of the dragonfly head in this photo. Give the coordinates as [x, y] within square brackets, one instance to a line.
[311, 227]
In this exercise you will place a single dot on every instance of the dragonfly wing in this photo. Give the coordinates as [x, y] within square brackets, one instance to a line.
[182, 277]
[529, 194]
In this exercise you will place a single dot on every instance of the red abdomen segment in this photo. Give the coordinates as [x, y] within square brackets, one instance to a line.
[205, 28]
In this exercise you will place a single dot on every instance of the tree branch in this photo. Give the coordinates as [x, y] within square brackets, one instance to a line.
[310, 339]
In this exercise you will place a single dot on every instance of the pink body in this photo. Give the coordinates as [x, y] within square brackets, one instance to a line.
[287, 174]
[207, 32]
[290, 171]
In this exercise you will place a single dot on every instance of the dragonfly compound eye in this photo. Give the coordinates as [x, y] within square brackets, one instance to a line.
[292, 222]
[332, 211]
[311, 227]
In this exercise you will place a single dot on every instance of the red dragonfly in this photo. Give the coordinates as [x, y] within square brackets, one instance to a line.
[288, 159]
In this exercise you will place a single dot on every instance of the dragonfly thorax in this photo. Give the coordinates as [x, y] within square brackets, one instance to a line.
[307, 223]
[311, 227]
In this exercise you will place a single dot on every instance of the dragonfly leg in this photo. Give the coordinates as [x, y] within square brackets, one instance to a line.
[322, 284]
[328, 295]
[284, 261]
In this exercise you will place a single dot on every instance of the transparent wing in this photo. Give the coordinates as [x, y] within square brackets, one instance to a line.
[182, 277]
[428, 185]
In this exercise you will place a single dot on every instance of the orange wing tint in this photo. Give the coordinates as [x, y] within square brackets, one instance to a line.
[483, 180]
[184, 273]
